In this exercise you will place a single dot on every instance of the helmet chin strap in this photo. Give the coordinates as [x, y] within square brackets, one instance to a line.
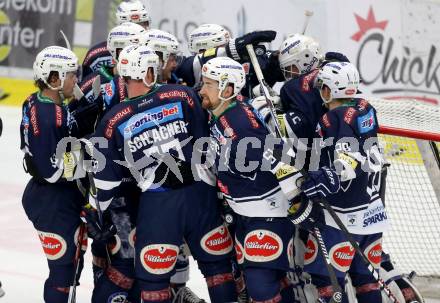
[217, 110]
[59, 89]
[326, 102]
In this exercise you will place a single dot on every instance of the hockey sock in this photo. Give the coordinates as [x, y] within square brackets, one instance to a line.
[325, 289]
[220, 281]
[263, 284]
[286, 290]
[368, 293]
[53, 294]
[154, 292]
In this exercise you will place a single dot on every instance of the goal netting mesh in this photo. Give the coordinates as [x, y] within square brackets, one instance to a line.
[410, 134]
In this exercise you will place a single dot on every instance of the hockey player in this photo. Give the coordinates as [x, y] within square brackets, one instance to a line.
[155, 129]
[98, 56]
[207, 36]
[166, 47]
[190, 71]
[260, 197]
[349, 161]
[51, 199]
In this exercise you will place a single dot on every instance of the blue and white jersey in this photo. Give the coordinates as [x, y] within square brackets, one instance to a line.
[350, 146]
[43, 125]
[246, 171]
[152, 135]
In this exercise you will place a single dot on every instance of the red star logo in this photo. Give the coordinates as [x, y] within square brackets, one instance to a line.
[367, 24]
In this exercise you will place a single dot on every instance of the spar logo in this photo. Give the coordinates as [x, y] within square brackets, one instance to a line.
[217, 241]
[159, 258]
[374, 252]
[54, 246]
[400, 68]
[132, 237]
[262, 246]
[341, 256]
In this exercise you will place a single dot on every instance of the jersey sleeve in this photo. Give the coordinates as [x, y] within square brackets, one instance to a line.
[110, 172]
[47, 126]
[185, 71]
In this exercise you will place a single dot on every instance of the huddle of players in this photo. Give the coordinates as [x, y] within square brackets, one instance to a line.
[154, 196]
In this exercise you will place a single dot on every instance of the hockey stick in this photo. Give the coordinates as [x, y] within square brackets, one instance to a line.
[263, 85]
[337, 290]
[353, 243]
[92, 192]
[72, 288]
[308, 14]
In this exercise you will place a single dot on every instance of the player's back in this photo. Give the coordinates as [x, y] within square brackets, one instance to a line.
[299, 95]
[249, 189]
[353, 128]
[168, 120]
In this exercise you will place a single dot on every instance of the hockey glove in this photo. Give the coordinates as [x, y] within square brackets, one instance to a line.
[104, 233]
[262, 108]
[321, 183]
[236, 48]
[84, 119]
[306, 214]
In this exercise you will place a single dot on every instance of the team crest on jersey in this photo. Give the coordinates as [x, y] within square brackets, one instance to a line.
[54, 246]
[341, 256]
[159, 259]
[153, 117]
[118, 297]
[311, 251]
[239, 251]
[262, 246]
[217, 242]
[374, 252]
[84, 241]
[366, 122]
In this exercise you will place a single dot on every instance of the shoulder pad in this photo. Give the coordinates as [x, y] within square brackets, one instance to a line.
[366, 122]
[116, 116]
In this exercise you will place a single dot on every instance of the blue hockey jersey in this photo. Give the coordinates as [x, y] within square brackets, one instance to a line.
[97, 57]
[43, 125]
[153, 135]
[350, 146]
[246, 170]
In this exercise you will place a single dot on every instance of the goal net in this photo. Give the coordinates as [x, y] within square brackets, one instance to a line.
[410, 134]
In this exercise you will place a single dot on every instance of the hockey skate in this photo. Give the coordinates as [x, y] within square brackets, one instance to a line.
[185, 295]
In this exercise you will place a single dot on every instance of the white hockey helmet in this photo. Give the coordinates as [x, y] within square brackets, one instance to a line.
[300, 51]
[132, 11]
[135, 60]
[342, 78]
[163, 42]
[226, 71]
[122, 35]
[54, 59]
[207, 36]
